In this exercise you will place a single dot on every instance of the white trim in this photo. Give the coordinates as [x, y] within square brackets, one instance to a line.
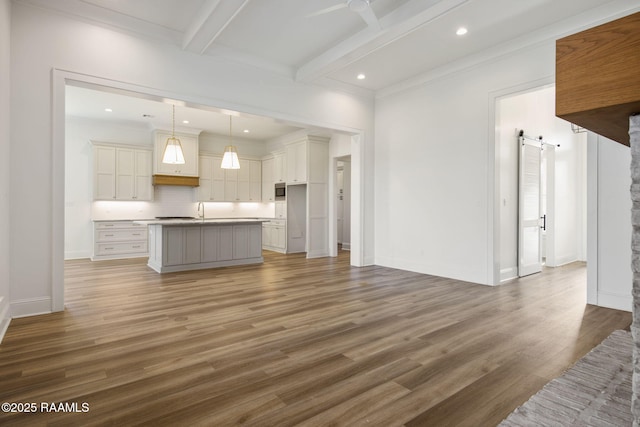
[509, 273]
[493, 174]
[5, 317]
[76, 255]
[592, 218]
[587, 19]
[30, 307]
[564, 260]
[202, 265]
[59, 80]
[616, 301]
[57, 190]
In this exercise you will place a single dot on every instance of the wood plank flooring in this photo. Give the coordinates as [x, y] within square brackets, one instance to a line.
[295, 342]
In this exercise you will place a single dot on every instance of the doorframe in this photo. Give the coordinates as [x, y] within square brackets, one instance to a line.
[59, 80]
[493, 179]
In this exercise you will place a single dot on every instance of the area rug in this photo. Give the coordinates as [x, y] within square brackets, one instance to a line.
[596, 391]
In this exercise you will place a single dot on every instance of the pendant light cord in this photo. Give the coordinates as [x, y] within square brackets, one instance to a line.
[173, 123]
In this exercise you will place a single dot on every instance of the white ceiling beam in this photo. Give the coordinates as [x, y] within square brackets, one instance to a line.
[397, 24]
[211, 20]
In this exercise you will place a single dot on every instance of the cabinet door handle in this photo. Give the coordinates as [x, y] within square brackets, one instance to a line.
[108, 225]
[108, 249]
[108, 235]
[136, 234]
[135, 246]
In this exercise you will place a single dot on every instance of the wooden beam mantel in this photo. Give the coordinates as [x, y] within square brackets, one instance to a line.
[598, 79]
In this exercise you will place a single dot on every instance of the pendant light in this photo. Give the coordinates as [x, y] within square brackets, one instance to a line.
[230, 157]
[173, 148]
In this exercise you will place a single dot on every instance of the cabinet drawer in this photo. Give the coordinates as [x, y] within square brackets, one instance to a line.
[120, 248]
[120, 235]
[110, 225]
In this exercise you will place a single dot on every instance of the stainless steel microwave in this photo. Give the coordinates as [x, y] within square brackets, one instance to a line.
[281, 191]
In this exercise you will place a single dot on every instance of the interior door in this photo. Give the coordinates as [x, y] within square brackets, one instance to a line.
[529, 253]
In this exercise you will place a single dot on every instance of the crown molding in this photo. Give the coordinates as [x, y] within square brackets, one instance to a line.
[596, 16]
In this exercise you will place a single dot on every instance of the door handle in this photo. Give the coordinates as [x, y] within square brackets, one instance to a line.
[544, 222]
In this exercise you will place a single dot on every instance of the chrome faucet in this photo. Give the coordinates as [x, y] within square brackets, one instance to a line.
[201, 206]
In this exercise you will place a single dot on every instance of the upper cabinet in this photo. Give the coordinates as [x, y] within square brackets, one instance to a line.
[190, 150]
[268, 193]
[297, 163]
[306, 160]
[230, 185]
[121, 172]
[279, 167]
[212, 177]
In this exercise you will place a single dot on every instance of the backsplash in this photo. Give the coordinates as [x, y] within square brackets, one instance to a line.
[177, 201]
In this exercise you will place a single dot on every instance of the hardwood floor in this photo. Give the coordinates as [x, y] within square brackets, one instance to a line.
[295, 342]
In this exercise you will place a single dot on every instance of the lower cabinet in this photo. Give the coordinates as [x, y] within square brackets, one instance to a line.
[176, 248]
[119, 239]
[274, 236]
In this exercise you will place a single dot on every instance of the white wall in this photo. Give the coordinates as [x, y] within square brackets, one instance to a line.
[5, 162]
[42, 41]
[609, 272]
[533, 112]
[433, 159]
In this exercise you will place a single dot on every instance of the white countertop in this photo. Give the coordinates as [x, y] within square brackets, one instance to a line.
[196, 221]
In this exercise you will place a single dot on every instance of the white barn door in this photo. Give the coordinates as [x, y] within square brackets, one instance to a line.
[529, 253]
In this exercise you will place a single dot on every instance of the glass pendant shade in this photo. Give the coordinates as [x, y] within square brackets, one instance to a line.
[230, 158]
[173, 148]
[173, 152]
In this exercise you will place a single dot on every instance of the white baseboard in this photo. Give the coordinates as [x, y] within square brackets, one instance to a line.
[508, 274]
[317, 254]
[5, 317]
[616, 301]
[77, 254]
[30, 307]
[346, 246]
[563, 260]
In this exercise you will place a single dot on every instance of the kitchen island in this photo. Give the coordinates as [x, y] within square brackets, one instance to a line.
[193, 244]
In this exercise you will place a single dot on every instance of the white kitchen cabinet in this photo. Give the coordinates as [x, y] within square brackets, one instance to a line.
[268, 193]
[281, 210]
[279, 167]
[212, 179]
[121, 173]
[133, 174]
[104, 172]
[255, 180]
[190, 150]
[119, 239]
[297, 163]
[231, 185]
[274, 236]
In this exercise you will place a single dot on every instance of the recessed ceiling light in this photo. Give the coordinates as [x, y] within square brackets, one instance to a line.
[108, 110]
[246, 131]
[461, 31]
[361, 76]
[186, 122]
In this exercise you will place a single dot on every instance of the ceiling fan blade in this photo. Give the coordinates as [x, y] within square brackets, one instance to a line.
[369, 16]
[327, 10]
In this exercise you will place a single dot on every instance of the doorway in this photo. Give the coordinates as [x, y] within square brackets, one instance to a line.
[343, 202]
[63, 78]
[562, 177]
